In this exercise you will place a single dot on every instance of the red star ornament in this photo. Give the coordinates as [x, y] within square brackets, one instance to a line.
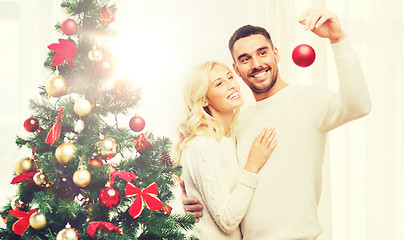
[65, 50]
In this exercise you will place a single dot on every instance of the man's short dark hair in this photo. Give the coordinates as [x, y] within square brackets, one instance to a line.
[247, 31]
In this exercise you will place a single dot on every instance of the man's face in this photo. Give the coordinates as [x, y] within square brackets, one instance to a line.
[256, 62]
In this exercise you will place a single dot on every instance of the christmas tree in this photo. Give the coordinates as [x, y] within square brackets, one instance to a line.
[70, 188]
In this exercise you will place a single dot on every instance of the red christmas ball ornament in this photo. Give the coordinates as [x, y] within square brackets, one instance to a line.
[303, 55]
[137, 123]
[95, 161]
[69, 27]
[31, 124]
[105, 68]
[109, 197]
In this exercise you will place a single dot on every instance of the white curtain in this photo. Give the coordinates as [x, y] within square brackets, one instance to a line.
[363, 190]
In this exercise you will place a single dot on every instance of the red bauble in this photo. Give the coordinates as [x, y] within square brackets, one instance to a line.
[137, 123]
[109, 197]
[95, 161]
[105, 68]
[69, 27]
[303, 55]
[31, 124]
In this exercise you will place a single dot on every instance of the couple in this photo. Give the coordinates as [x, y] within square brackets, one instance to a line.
[225, 170]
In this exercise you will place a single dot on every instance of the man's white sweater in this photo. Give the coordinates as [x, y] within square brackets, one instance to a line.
[284, 204]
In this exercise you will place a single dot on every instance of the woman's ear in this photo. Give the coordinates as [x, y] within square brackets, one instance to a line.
[205, 103]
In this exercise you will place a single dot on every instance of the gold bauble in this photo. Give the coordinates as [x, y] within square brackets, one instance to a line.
[82, 107]
[56, 86]
[67, 234]
[82, 177]
[65, 153]
[107, 148]
[26, 164]
[95, 55]
[39, 179]
[37, 220]
[16, 203]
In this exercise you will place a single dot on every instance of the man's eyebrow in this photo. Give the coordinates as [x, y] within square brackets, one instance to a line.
[241, 56]
[263, 48]
[245, 54]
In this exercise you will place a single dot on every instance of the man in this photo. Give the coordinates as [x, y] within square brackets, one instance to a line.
[284, 204]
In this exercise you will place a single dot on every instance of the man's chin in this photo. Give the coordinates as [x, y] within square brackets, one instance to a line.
[260, 89]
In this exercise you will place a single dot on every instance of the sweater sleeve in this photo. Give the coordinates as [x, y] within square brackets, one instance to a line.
[330, 110]
[226, 206]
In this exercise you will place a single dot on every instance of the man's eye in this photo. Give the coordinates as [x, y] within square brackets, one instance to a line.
[263, 53]
[244, 60]
[219, 84]
[230, 77]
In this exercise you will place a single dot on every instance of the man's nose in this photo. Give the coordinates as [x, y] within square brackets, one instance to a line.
[257, 62]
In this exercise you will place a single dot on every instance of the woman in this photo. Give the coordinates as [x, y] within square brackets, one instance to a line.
[207, 151]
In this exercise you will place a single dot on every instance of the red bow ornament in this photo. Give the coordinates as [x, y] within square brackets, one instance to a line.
[146, 196]
[63, 50]
[22, 224]
[93, 226]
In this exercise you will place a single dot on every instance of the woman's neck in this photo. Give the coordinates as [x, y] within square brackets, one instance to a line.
[225, 119]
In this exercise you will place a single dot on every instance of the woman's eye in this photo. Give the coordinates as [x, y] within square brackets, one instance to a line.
[219, 84]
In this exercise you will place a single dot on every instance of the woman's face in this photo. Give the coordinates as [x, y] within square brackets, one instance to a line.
[223, 94]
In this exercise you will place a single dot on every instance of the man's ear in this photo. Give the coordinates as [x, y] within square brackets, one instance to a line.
[277, 56]
[236, 69]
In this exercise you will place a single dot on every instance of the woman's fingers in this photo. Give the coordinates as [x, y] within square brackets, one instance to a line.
[266, 137]
[273, 145]
[261, 136]
[270, 138]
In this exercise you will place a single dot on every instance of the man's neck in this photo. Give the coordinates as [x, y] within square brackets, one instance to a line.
[279, 85]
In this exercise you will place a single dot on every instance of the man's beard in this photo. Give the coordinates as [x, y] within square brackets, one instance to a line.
[274, 78]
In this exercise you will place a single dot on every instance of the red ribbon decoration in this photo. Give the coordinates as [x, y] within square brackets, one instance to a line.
[63, 50]
[22, 224]
[127, 176]
[54, 132]
[93, 226]
[146, 196]
[24, 177]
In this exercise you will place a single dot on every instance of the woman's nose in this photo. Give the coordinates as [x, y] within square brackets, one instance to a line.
[231, 85]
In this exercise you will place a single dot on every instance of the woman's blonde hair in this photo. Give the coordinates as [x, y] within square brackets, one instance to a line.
[197, 119]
